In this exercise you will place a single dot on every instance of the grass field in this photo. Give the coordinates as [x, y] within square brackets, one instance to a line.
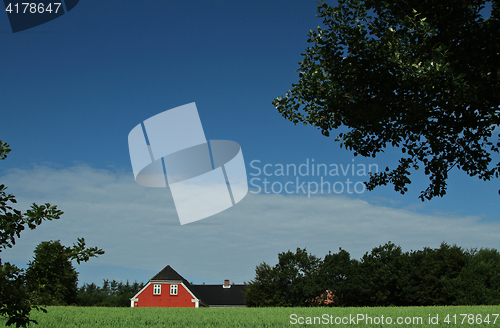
[69, 317]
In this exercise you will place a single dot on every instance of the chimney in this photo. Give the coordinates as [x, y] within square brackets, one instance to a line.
[226, 284]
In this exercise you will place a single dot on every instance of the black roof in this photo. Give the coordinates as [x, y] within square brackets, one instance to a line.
[217, 295]
[169, 274]
[212, 295]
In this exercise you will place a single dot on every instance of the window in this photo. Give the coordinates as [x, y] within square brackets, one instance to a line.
[156, 289]
[173, 289]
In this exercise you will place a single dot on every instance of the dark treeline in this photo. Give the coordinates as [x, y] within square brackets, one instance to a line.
[53, 280]
[387, 276]
[112, 293]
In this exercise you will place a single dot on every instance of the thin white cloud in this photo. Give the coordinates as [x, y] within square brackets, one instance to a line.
[139, 229]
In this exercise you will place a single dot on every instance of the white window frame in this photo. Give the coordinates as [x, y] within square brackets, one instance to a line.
[157, 289]
[173, 289]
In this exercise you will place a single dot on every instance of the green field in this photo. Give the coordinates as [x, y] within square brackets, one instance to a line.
[465, 316]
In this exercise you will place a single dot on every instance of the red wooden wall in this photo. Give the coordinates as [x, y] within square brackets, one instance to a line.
[147, 299]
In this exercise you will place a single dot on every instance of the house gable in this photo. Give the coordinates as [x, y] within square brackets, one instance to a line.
[166, 289]
[157, 292]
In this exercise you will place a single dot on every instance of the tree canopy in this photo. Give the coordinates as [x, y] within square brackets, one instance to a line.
[52, 276]
[16, 301]
[112, 293]
[294, 281]
[420, 76]
[386, 276]
[19, 294]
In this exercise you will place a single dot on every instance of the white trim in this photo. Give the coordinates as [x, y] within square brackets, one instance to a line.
[132, 301]
[189, 291]
[143, 288]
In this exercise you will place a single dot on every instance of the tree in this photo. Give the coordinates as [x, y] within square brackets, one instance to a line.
[415, 277]
[298, 275]
[385, 272]
[16, 301]
[52, 276]
[110, 294]
[479, 281]
[420, 76]
[264, 290]
[441, 268]
[340, 275]
[16, 298]
[293, 281]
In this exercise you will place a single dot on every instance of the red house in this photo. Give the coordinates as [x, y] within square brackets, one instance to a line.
[169, 289]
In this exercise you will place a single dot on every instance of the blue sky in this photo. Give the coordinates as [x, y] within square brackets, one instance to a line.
[73, 88]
